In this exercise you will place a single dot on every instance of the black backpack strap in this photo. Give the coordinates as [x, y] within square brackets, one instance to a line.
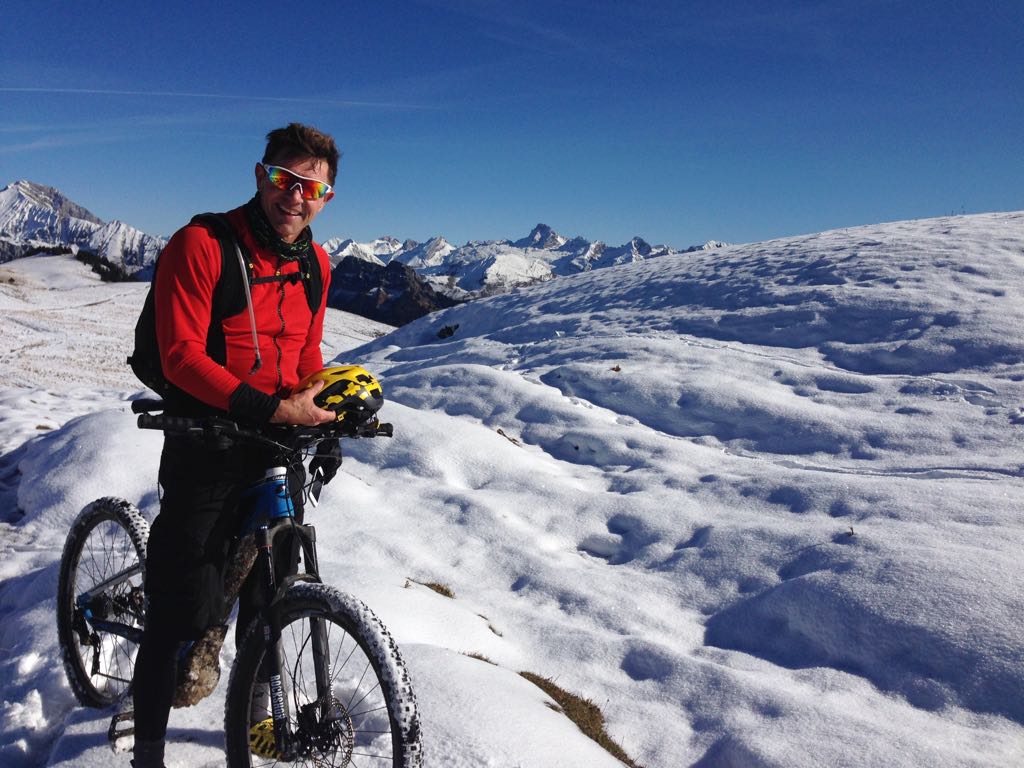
[145, 359]
[226, 237]
[313, 279]
[291, 277]
[231, 297]
[309, 273]
[229, 293]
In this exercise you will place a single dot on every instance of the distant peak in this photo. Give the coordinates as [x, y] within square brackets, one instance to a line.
[542, 236]
[48, 198]
[710, 245]
[27, 187]
[39, 194]
[640, 245]
[435, 244]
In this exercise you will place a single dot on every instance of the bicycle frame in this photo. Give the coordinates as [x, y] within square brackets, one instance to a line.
[87, 604]
[315, 703]
[271, 511]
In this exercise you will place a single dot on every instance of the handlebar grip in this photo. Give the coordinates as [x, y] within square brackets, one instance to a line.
[168, 423]
[145, 421]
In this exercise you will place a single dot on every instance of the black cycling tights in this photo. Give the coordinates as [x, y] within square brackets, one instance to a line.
[156, 672]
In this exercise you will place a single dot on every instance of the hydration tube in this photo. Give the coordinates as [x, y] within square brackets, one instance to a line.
[258, 362]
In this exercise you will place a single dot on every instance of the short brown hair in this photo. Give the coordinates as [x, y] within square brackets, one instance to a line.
[297, 141]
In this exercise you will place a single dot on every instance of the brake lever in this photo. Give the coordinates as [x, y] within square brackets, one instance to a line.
[372, 429]
[316, 486]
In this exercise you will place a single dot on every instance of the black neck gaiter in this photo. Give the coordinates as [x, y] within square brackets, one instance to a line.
[267, 236]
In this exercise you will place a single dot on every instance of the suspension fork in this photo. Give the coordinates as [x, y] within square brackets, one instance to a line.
[321, 650]
[272, 660]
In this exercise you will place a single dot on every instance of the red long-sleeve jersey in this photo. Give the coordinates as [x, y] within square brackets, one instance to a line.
[288, 332]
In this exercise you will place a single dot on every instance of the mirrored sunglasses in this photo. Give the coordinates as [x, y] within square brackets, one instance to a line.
[283, 179]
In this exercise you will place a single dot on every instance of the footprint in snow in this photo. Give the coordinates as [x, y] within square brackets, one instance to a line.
[646, 662]
[625, 539]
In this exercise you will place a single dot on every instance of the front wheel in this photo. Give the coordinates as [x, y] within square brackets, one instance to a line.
[100, 603]
[348, 698]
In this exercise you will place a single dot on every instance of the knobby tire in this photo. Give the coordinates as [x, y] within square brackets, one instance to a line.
[375, 722]
[106, 544]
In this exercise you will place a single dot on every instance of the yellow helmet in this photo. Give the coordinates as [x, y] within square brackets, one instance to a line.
[350, 391]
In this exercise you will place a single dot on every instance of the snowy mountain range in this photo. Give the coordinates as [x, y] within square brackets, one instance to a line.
[483, 268]
[36, 218]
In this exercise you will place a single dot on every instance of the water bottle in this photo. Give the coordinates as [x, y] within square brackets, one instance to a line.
[267, 500]
[275, 500]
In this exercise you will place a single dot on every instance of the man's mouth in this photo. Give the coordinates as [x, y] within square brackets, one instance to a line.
[287, 212]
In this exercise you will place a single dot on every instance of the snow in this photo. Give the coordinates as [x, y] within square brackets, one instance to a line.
[760, 504]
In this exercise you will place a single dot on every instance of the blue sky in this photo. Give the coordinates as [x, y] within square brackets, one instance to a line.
[677, 121]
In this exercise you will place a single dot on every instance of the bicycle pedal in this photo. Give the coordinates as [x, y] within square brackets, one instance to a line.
[118, 731]
[261, 740]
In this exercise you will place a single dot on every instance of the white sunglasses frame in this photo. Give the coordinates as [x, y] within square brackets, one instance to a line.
[326, 195]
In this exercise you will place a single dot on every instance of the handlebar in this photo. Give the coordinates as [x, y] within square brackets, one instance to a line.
[218, 428]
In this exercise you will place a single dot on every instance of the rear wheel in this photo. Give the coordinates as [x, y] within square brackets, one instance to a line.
[100, 603]
[349, 705]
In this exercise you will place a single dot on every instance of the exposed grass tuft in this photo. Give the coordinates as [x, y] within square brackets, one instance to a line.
[584, 713]
[441, 589]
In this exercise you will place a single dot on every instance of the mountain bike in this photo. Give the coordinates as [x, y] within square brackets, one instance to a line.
[318, 680]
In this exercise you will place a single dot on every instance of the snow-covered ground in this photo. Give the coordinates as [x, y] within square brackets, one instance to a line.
[762, 504]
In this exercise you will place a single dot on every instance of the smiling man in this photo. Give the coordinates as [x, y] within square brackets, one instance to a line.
[239, 302]
[242, 362]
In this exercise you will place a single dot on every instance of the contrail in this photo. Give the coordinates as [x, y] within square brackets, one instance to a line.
[233, 97]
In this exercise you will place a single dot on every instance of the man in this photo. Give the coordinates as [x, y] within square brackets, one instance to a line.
[244, 365]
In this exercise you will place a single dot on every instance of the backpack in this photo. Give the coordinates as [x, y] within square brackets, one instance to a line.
[229, 298]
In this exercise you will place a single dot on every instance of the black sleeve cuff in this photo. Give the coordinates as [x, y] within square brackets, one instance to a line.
[248, 403]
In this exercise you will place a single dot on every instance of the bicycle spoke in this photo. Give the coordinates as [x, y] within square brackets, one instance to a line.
[99, 600]
[339, 715]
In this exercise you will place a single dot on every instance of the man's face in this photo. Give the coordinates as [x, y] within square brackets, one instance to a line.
[287, 211]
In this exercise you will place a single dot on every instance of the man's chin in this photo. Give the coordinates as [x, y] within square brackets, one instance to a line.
[288, 230]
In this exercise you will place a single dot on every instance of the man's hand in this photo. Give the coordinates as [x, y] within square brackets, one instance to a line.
[300, 409]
